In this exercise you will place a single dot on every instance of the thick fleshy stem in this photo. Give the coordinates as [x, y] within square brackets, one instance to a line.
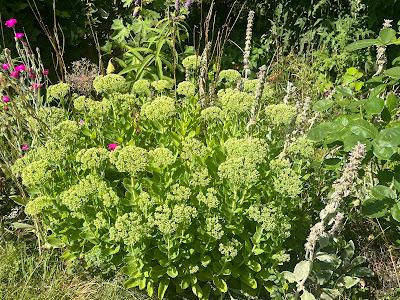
[247, 48]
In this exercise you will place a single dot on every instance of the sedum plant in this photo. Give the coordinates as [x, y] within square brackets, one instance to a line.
[178, 196]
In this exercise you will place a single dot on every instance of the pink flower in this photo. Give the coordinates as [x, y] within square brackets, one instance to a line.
[5, 108]
[11, 23]
[14, 74]
[5, 67]
[45, 72]
[36, 86]
[81, 122]
[20, 68]
[25, 147]
[19, 35]
[6, 99]
[112, 147]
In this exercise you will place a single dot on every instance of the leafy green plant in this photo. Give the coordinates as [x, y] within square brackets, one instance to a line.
[150, 44]
[183, 197]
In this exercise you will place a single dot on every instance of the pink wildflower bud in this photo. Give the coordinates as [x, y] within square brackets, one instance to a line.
[112, 147]
[14, 74]
[6, 99]
[11, 23]
[5, 108]
[20, 68]
[32, 75]
[19, 35]
[25, 147]
[5, 67]
[81, 122]
[45, 72]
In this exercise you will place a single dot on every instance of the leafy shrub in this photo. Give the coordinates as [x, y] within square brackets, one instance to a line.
[182, 197]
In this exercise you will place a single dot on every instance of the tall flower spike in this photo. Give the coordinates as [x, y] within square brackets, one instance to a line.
[341, 189]
[203, 74]
[259, 91]
[247, 48]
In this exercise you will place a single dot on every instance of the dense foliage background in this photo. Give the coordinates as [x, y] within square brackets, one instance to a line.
[200, 149]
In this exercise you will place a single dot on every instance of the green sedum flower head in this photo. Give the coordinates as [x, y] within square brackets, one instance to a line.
[111, 83]
[214, 228]
[302, 147]
[123, 103]
[212, 113]
[36, 173]
[186, 88]
[129, 229]
[229, 76]
[66, 131]
[254, 150]
[162, 85]
[80, 103]
[286, 182]
[91, 190]
[130, 159]
[159, 109]
[238, 171]
[141, 87]
[161, 158]
[37, 205]
[58, 91]
[92, 158]
[280, 114]
[235, 102]
[191, 62]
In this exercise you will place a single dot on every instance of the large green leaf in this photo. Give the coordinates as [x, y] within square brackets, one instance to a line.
[323, 105]
[302, 270]
[307, 296]
[387, 35]
[375, 208]
[363, 128]
[162, 288]
[374, 105]
[393, 72]
[349, 281]
[220, 284]
[396, 211]
[382, 192]
[361, 44]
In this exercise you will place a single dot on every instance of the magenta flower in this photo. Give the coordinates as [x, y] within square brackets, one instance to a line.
[11, 23]
[45, 72]
[6, 99]
[14, 74]
[20, 68]
[19, 35]
[36, 86]
[25, 147]
[112, 147]
[5, 67]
